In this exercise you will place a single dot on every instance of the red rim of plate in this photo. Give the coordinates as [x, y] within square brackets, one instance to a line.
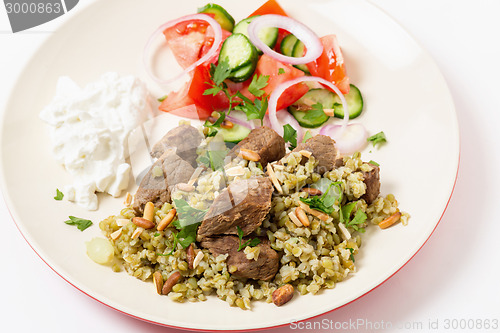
[252, 329]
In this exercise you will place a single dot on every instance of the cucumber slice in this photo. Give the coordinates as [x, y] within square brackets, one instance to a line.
[287, 45]
[323, 96]
[235, 134]
[268, 35]
[354, 103]
[241, 56]
[225, 20]
[298, 51]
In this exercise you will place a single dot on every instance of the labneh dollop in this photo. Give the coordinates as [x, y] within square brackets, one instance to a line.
[90, 129]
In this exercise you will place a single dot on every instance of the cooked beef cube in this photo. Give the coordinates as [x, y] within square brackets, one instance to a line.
[156, 185]
[244, 203]
[372, 181]
[323, 149]
[264, 141]
[185, 139]
[264, 268]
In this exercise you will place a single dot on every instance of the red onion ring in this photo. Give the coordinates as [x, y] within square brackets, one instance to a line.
[275, 95]
[217, 41]
[240, 122]
[302, 32]
[352, 139]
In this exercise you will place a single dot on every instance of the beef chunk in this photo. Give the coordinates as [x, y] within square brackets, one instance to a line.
[323, 149]
[185, 139]
[264, 268]
[264, 141]
[156, 185]
[244, 203]
[372, 181]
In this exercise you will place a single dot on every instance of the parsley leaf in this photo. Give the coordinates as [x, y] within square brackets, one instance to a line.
[290, 135]
[59, 195]
[378, 138]
[307, 136]
[352, 253]
[374, 163]
[254, 110]
[251, 242]
[359, 217]
[281, 71]
[221, 72]
[187, 224]
[258, 83]
[315, 114]
[162, 98]
[80, 223]
[325, 202]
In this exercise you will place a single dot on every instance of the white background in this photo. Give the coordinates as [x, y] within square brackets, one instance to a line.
[456, 275]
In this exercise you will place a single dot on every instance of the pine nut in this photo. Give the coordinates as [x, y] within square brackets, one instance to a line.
[249, 155]
[212, 119]
[227, 124]
[329, 112]
[185, 187]
[305, 153]
[171, 281]
[190, 256]
[149, 212]
[390, 220]
[235, 171]
[143, 223]
[198, 258]
[158, 281]
[283, 294]
[311, 191]
[128, 199]
[165, 222]
[122, 222]
[301, 215]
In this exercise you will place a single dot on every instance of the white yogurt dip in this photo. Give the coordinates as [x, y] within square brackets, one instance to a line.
[90, 129]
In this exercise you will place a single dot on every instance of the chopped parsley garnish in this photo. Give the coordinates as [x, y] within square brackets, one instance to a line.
[352, 253]
[214, 159]
[253, 109]
[258, 83]
[251, 242]
[315, 114]
[325, 202]
[377, 139]
[189, 219]
[162, 98]
[307, 136]
[373, 163]
[156, 234]
[281, 71]
[290, 135]
[359, 217]
[59, 195]
[80, 223]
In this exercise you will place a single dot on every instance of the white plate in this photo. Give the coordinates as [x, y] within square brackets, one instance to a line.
[405, 96]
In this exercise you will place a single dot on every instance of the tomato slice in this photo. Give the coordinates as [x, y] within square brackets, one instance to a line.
[201, 82]
[330, 64]
[270, 7]
[181, 104]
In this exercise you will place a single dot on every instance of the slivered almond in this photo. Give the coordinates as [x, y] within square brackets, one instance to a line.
[116, 234]
[158, 281]
[294, 219]
[329, 112]
[128, 199]
[149, 212]
[194, 177]
[235, 171]
[190, 256]
[345, 232]
[122, 222]
[320, 215]
[390, 220]
[301, 215]
[249, 155]
[185, 187]
[305, 153]
[311, 191]
[143, 223]
[171, 281]
[274, 179]
[137, 232]
[198, 258]
[165, 222]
